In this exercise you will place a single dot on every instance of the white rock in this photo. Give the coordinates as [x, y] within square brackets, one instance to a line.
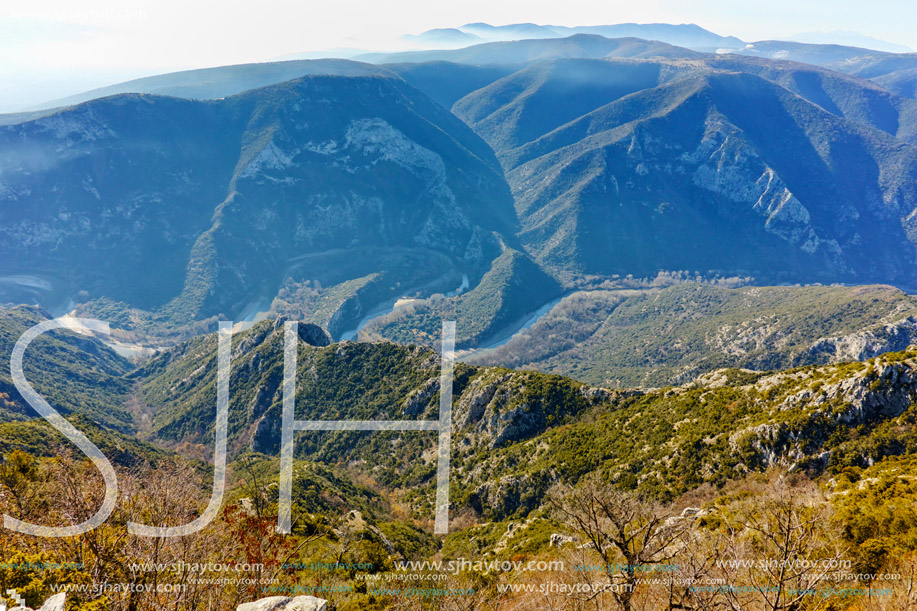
[285, 603]
[268, 158]
[559, 540]
[55, 603]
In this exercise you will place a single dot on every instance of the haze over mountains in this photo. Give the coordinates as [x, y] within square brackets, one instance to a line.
[689, 35]
[896, 72]
[679, 267]
[186, 206]
[686, 150]
[849, 39]
[212, 83]
[596, 158]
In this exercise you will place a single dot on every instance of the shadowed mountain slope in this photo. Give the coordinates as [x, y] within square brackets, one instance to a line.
[195, 208]
[711, 170]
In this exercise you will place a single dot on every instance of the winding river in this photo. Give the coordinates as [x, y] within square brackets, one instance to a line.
[392, 306]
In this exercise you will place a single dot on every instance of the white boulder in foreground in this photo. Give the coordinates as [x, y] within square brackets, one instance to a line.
[55, 603]
[285, 603]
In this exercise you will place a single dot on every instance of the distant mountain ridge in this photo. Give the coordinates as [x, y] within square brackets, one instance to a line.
[897, 72]
[444, 37]
[217, 82]
[591, 46]
[892, 71]
[850, 39]
[192, 208]
[606, 181]
[686, 35]
[611, 148]
[223, 81]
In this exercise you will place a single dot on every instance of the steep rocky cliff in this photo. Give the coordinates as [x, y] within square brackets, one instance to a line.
[194, 209]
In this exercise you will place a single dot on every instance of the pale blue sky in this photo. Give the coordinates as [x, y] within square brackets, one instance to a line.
[57, 47]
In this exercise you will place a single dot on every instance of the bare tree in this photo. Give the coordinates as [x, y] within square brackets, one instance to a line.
[627, 533]
[695, 584]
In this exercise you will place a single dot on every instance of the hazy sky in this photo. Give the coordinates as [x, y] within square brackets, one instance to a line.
[56, 47]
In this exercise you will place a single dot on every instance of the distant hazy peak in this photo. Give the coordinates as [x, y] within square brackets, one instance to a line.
[849, 39]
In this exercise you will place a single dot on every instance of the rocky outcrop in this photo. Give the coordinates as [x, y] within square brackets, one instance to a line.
[511, 494]
[266, 438]
[313, 335]
[496, 410]
[55, 603]
[520, 422]
[597, 395]
[265, 435]
[865, 344]
[285, 603]
[347, 314]
[255, 338]
[559, 540]
[881, 389]
[417, 401]
[473, 402]
[308, 332]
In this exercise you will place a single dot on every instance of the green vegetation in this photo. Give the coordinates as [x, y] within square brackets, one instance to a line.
[75, 374]
[368, 497]
[513, 287]
[39, 438]
[878, 507]
[782, 409]
[216, 205]
[634, 167]
[335, 290]
[670, 336]
[330, 289]
[667, 442]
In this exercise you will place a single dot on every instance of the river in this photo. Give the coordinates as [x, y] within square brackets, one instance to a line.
[390, 306]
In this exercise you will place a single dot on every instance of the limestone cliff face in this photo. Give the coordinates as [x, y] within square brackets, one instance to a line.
[199, 207]
[700, 168]
[726, 164]
[826, 397]
[867, 343]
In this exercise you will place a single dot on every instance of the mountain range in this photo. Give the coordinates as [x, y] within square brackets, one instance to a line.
[182, 207]
[524, 51]
[686, 35]
[516, 433]
[680, 281]
[896, 72]
[606, 180]
[588, 154]
[223, 81]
